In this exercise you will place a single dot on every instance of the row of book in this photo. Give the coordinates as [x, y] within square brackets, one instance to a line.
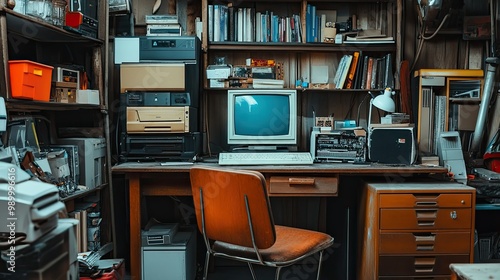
[357, 71]
[88, 229]
[317, 21]
[236, 24]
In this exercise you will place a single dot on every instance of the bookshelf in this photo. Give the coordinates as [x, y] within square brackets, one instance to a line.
[448, 100]
[309, 65]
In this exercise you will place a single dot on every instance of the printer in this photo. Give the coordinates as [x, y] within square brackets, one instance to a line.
[159, 97]
[30, 207]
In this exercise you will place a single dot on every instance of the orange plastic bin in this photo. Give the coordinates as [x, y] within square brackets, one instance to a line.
[30, 80]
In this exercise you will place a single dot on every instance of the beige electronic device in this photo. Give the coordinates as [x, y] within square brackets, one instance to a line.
[160, 119]
[152, 77]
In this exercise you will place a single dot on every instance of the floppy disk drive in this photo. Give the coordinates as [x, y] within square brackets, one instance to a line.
[161, 119]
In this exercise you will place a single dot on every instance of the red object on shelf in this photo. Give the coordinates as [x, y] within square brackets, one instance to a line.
[30, 80]
[74, 19]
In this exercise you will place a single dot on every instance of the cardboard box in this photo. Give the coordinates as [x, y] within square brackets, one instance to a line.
[30, 80]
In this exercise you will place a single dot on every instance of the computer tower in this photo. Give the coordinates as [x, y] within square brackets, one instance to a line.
[392, 145]
[92, 159]
[175, 261]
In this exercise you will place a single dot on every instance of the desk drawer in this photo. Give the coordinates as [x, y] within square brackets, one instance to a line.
[425, 243]
[304, 185]
[434, 200]
[428, 219]
[419, 266]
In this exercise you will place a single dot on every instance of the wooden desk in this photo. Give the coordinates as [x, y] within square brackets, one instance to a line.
[152, 179]
[475, 271]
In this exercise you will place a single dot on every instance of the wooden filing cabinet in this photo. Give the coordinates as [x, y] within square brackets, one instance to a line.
[415, 230]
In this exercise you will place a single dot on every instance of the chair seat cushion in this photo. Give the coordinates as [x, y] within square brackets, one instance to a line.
[291, 245]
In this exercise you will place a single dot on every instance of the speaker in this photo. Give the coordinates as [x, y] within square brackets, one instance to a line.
[392, 145]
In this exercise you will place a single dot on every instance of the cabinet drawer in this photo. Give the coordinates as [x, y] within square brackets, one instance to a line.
[425, 243]
[434, 200]
[428, 219]
[419, 266]
[304, 185]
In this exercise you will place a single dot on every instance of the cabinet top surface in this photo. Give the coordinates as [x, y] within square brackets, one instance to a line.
[450, 72]
[415, 186]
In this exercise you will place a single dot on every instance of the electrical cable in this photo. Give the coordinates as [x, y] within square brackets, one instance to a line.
[422, 37]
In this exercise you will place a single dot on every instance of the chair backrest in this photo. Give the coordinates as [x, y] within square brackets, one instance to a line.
[225, 213]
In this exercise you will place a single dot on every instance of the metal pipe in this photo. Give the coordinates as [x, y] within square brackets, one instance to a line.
[492, 63]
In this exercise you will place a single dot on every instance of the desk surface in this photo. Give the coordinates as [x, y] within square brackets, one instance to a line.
[476, 271]
[339, 168]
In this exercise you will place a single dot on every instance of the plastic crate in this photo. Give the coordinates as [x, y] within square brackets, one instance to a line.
[30, 80]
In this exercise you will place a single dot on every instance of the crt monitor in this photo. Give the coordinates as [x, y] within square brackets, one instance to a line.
[262, 119]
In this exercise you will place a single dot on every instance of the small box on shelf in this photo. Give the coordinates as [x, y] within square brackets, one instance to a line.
[87, 96]
[63, 92]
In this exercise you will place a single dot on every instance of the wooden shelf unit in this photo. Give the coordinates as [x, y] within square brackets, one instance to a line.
[24, 37]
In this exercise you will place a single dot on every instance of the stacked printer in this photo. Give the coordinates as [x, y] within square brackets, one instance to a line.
[35, 243]
[159, 97]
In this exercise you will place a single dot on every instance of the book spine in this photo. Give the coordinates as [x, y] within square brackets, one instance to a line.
[308, 24]
[210, 23]
[217, 23]
[224, 24]
[345, 71]
[364, 73]
[231, 24]
[241, 20]
[359, 72]
[369, 71]
[336, 79]
[373, 78]
[389, 77]
[352, 70]
[314, 29]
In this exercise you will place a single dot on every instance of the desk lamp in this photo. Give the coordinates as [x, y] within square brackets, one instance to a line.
[383, 102]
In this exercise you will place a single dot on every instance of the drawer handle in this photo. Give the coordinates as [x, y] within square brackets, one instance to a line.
[301, 181]
[425, 247]
[424, 265]
[426, 218]
[420, 238]
[424, 270]
[425, 261]
[426, 203]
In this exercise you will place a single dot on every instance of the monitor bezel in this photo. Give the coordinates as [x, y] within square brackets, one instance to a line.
[289, 139]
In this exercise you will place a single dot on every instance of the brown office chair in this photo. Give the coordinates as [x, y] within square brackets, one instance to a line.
[234, 215]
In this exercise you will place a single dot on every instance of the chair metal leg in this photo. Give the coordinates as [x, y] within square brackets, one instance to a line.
[205, 269]
[252, 271]
[319, 264]
[277, 275]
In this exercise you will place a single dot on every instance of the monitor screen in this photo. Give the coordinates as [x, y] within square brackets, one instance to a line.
[262, 117]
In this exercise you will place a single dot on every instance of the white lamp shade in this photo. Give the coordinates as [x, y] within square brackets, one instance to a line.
[385, 102]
